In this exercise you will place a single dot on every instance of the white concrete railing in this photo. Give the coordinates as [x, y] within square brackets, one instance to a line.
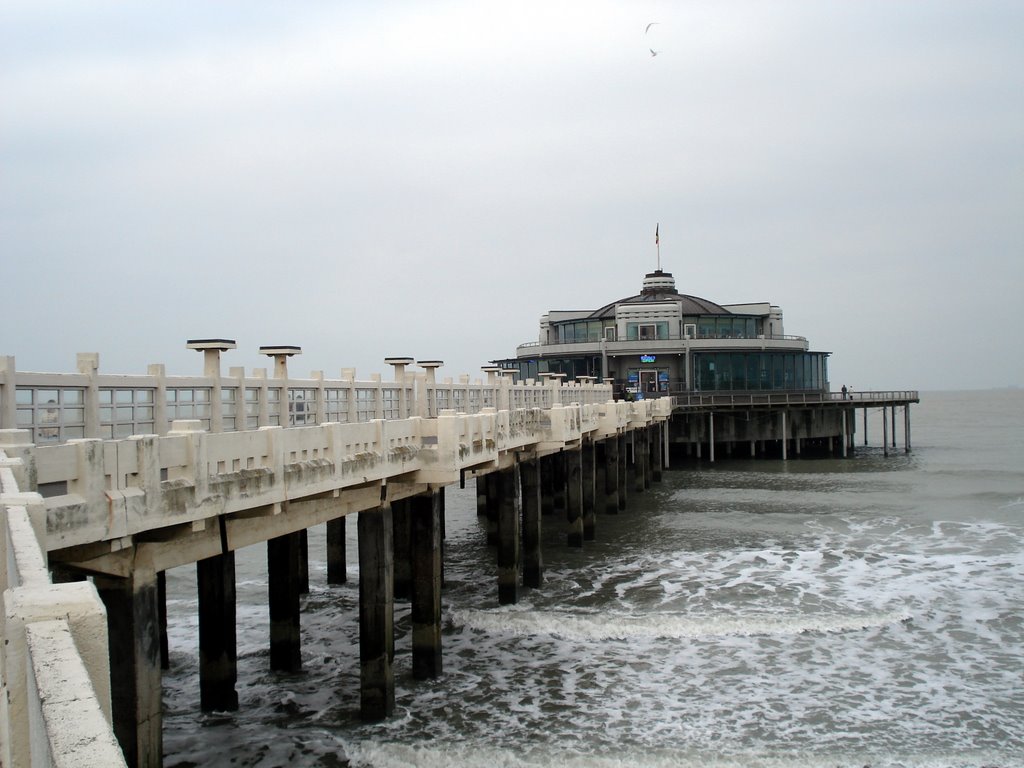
[57, 407]
[54, 663]
[118, 488]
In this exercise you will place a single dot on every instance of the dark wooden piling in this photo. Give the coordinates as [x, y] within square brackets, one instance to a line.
[589, 477]
[573, 461]
[218, 654]
[425, 515]
[283, 575]
[533, 564]
[376, 614]
[336, 573]
[509, 514]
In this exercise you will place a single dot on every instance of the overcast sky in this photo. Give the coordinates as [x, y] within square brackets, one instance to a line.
[427, 178]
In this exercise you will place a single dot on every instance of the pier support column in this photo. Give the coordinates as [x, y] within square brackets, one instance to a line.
[481, 496]
[656, 454]
[574, 497]
[508, 535]
[133, 626]
[785, 439]
[559, 478]
[588, 452]
[218, 653]
[283, 576]
[336, 573]
[711, 437]
[640, 482]
[845, 436]
[865, 425]
[376, 614]
[533, 565]
[303, 564]
[621, 464]
[493, 493]
[402, 529]
[611, 475]
[885, 433]
[893, 426]
[425, 514]
[161, 603]
[906, 428]
[547, 484]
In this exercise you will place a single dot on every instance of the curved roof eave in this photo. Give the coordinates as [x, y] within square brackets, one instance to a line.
[692, 305]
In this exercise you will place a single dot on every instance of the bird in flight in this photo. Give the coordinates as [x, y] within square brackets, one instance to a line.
[648, 29]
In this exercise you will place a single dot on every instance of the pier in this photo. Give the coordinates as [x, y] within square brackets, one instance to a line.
[110, 480]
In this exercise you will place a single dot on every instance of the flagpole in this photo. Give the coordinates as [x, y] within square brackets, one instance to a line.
[657, 244]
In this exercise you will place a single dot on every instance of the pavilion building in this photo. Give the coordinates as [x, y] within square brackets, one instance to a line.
[660, 342]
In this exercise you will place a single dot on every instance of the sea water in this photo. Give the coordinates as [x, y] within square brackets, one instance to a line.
[866, 611]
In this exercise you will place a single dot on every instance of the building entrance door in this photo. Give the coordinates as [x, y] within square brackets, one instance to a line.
[648, 382]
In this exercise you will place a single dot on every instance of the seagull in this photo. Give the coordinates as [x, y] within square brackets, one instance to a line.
[653, 52]
[648, 27]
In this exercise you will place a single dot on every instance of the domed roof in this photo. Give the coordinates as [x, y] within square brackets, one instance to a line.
[661, 286]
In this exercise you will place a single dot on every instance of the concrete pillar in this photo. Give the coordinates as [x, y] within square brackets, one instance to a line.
[481, 496]
[559, 477]
[865, 425]
[376, 614]
[533, 565]
[493, 505]
[425, 514]
[161, 603]
[657, 453]
[611, 475]
[589, 476]
[711, 437]
[402, 528]
[547, 485]
[218, 655]
[133, 624]
[640, 459]
[303, 572]
[784, 438]
[843, 417]
[622, 469]
[885, 433]
[573, 461]
[283, 575]
[893, 426]
[336, 551]
[509, 514]
[906, 428]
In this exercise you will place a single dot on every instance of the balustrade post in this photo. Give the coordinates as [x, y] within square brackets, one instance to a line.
[88, 365]
[211, 349]
[8, 387]
[399, 364]
[428, 399]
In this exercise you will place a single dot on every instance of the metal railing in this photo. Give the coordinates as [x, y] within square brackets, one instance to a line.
[704, 400]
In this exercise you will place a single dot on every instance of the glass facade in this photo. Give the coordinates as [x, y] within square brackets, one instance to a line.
[732, 371]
